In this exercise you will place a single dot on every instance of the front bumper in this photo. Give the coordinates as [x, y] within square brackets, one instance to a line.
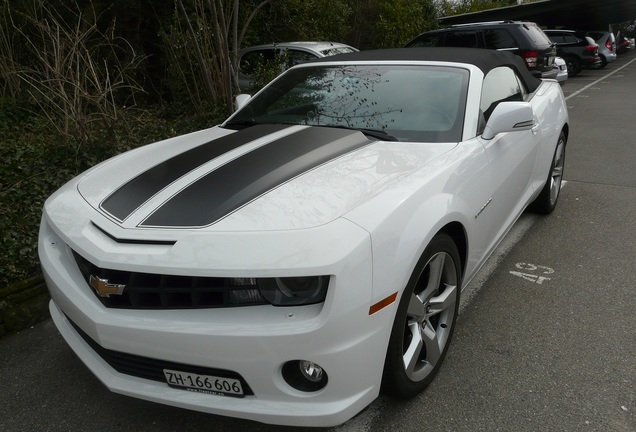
[286, 409]
[253, 342]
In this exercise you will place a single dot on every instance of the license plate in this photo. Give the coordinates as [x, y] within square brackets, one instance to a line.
[204, 383]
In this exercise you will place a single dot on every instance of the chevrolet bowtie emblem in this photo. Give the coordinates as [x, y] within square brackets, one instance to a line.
[105, 289]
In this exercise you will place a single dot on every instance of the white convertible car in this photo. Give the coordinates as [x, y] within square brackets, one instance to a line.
[292, 263]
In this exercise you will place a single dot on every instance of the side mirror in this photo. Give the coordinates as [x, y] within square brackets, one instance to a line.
[241, 101]
[509, 117]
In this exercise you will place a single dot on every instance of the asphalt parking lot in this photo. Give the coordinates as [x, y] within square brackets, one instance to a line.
[545, 339]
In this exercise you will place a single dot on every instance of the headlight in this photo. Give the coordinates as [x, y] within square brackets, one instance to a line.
[293, 291]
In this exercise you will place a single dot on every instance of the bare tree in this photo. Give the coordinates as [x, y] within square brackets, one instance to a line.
[70, 69]
[9, 80]
[215, 35]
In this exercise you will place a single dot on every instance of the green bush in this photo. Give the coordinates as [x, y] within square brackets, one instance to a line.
[36, 161]
[30, 171]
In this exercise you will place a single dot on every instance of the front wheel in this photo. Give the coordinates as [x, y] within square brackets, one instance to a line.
[549, 195]
[425, 320]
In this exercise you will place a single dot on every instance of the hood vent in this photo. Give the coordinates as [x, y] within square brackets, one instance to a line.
[134, 241]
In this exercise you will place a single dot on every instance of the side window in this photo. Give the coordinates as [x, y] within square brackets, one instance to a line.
[570, 39]
[467, 39]
[556, 38]
[500, 85]
[499, 39]
[432, 40]
[252, 59]
[295, 57]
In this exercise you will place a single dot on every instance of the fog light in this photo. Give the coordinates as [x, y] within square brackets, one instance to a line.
[310, 370]
[304, 375]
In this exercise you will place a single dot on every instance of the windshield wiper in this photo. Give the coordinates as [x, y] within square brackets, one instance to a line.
[241, 124]
[374, 133]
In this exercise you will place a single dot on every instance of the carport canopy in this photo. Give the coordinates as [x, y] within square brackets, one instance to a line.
[571, 14]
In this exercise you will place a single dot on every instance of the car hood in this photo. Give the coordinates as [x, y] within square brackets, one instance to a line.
[264, 177]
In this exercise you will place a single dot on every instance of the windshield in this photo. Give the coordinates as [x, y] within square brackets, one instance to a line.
[337, 50]
[406, 102]
[536, 34]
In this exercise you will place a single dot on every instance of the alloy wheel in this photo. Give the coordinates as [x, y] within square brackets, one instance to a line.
[430, 316]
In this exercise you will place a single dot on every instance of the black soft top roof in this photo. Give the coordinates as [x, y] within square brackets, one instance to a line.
[484, 59]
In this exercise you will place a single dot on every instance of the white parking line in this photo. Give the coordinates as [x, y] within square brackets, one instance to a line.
[576, 93]
[516, 233]
[518, 230]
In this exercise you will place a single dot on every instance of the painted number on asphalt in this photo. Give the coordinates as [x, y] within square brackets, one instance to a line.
[532, 272]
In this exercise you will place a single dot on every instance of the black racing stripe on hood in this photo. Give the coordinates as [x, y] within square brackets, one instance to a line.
[244, 179]
[125, 200]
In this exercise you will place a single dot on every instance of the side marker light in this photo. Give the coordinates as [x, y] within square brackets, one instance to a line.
[382, 303]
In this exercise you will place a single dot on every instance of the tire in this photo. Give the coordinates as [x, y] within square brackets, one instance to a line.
[603, 62]
[549, 195]
[425, 320]
[574, 66]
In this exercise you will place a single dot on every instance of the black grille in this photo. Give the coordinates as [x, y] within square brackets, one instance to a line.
[152, 369]
[158, 291]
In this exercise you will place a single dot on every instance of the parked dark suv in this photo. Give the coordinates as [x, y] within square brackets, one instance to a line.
[523, 38]
[578, 51]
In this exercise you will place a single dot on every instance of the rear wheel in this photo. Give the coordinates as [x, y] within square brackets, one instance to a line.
[425, 320]
[547, 199]
[574, 65]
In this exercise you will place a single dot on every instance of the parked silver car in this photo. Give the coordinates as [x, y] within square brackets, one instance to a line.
[287, 54]
[606, 45]
[623, 43]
